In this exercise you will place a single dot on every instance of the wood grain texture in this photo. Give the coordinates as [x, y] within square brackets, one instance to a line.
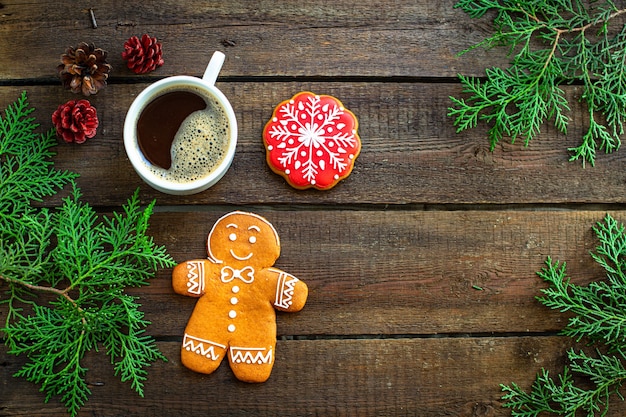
[411, 153]
[388, 327]
[412, 377]
[398, 272]
[317, 38]
[421, 265]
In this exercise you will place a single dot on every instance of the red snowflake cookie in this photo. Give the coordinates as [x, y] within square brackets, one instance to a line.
[312, 141]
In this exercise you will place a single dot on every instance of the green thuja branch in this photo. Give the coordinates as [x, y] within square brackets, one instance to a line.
[598, 316]
[551, 43]
[82, 261]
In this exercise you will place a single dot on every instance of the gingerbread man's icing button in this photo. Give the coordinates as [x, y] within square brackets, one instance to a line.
[312, 141]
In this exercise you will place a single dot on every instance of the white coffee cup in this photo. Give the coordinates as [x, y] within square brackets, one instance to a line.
[206, 85]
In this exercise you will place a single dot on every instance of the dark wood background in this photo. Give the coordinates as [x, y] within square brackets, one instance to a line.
[421, 265]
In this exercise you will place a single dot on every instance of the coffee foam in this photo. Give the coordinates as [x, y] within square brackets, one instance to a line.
[199, 146]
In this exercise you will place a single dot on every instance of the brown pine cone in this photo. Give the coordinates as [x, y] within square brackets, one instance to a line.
[84, 69]
[143, 55]
[75, 121]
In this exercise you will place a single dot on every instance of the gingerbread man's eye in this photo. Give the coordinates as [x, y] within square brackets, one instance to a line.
[232, 237]
[252, 239]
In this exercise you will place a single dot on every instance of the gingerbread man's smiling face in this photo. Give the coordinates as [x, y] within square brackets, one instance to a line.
[240, 239]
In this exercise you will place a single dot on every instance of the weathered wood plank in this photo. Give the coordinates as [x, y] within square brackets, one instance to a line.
[268, 38]
[398, 272]
[403, 272]
[425, 377]
[411, 153]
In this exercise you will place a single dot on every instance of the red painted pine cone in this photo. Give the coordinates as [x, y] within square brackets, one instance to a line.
[143, 55]
[75, 121]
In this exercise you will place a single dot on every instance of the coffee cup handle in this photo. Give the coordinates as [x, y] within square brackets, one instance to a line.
[214, 67]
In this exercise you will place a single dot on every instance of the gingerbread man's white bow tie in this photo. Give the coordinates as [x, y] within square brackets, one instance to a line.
[245, 274]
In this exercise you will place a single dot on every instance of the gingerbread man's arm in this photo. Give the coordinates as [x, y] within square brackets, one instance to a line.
[290, 294]
[188, 278]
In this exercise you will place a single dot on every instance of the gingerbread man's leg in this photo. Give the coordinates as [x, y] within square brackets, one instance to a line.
[252, 363]
[251, 352]
[201, 355]
[203, 349]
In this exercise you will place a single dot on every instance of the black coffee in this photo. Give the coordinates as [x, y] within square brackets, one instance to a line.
[159, 122]
[183, 134]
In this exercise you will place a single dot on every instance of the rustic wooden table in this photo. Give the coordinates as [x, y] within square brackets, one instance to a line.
[421, 265]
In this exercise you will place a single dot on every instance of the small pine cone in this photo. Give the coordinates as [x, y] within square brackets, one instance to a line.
[84, 69]
[143, 55]
[75, 121]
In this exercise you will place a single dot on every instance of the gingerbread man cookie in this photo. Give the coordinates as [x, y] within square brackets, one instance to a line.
[238, 292]
[312, 141]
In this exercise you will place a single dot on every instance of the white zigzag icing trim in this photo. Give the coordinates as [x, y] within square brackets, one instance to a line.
[284, 290]
[250, 355]
[202, 347]
[195, 277]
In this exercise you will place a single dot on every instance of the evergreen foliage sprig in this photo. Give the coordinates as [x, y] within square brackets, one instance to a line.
[83, 262]
[598, 316]
[551, 43]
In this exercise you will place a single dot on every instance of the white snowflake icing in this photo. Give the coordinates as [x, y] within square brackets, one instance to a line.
[310, 129]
